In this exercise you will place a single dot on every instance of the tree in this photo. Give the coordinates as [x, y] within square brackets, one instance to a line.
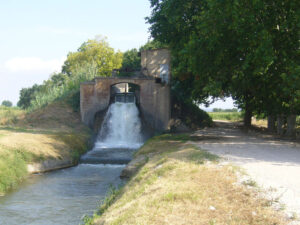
[27, 95]
[153, 44]
[131, 60]
[97, 51]
[247, 49]
[93, 58]
[7, 103]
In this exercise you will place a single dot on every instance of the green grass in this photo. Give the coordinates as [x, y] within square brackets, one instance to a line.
[200, 156]
[13, 166]
[230, 116]
[109, 199]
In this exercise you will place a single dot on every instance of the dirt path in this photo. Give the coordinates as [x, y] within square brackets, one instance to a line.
[273, 164]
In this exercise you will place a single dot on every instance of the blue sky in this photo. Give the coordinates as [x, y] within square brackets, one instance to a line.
[36, 35]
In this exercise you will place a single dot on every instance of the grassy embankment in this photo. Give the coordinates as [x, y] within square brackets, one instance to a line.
[178, 183]
[53, 132]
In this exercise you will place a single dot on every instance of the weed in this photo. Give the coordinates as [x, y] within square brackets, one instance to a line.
[199, 156]
[250, 182]
[112, 195]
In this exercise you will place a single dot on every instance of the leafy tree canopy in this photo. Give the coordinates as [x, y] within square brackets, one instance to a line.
[247, 49]
[95, 51]
[131, 60]
[27, 95]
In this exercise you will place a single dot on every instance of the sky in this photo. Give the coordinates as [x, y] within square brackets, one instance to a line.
[36, 36]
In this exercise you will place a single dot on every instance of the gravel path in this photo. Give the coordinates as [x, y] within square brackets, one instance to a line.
[273, 164]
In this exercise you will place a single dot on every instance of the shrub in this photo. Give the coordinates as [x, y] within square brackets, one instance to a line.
[7, 103]
[190, 113]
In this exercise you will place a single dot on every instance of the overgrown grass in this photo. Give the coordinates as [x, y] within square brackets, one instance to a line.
[230, 116]
[181, 184]
[10, 115]
[13, 162]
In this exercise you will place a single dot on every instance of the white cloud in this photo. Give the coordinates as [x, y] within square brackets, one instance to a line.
[19, 64]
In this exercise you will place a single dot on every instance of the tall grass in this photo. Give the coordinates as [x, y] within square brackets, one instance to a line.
[10, 115]
[71, 86]
[13, 168]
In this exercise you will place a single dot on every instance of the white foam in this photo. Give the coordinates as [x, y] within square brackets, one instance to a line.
[121, 127]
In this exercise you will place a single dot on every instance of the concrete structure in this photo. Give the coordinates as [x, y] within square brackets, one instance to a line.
[153, 95]
[156, 63]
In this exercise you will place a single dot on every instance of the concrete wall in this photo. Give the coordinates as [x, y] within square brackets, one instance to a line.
[151, 61]
[154, 100]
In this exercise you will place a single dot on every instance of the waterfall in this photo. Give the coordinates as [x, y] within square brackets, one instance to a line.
[119, 136]
[121, 127]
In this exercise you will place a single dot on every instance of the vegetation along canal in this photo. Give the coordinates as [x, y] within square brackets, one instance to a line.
[64, 196]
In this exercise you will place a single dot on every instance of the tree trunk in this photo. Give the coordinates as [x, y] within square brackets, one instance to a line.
[291, 126]
[280, 123]
[271, 123]
[247, 116]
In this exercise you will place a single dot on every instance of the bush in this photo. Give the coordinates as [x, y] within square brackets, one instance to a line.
[190, 114]
[74, 100]
[7, 103]
[69, 90]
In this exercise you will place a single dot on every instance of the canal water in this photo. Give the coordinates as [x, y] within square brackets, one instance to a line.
[63, 197]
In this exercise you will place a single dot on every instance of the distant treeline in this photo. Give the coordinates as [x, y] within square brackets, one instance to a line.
[225, 110]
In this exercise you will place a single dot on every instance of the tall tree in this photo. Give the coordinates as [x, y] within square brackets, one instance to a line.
[97, 51]
[233, 47]
[27, 95]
